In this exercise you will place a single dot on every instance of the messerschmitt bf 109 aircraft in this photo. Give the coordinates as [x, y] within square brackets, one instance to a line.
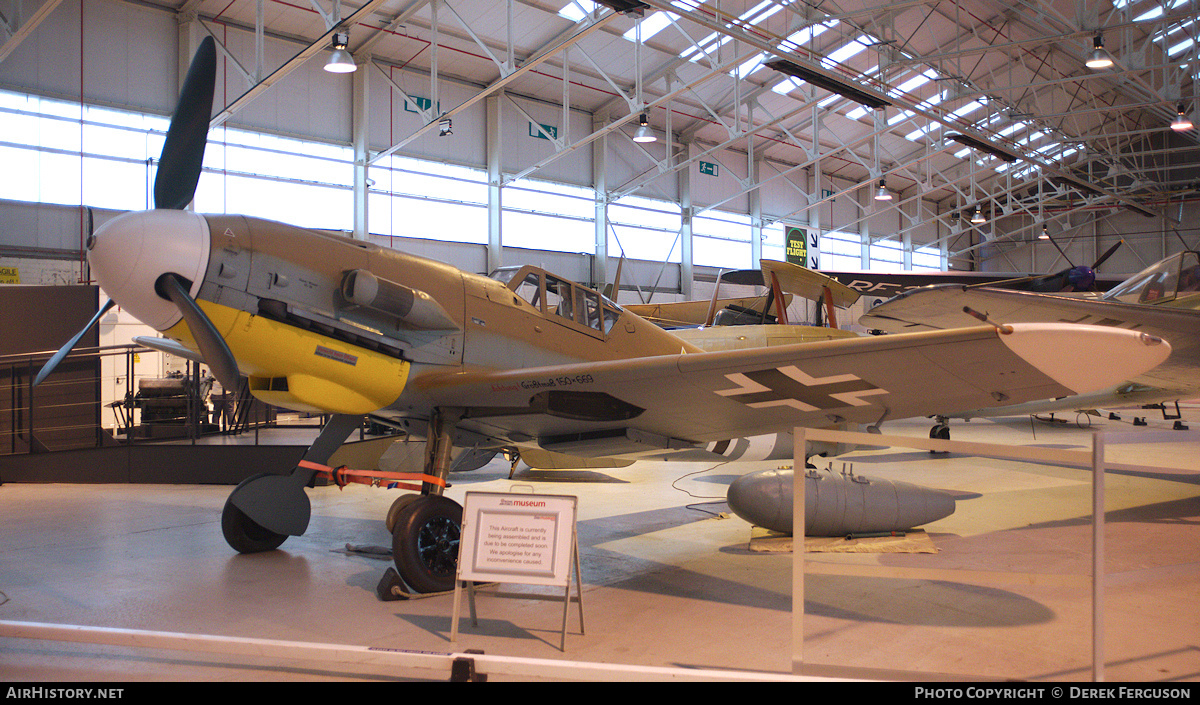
[325, 323]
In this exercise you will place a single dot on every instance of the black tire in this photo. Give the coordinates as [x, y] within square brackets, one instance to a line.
[242, 533]
[394, 511]
[425, 543]
[941, 433]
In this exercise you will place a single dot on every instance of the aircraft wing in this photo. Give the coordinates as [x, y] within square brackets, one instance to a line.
[809, 284]
[941, 308]
[692, 313]
[679, 401]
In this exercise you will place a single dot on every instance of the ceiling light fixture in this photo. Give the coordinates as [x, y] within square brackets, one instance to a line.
[1181, 121]
[982, 146]
[341, 61]
[1099, 58]
[829, 83]
[882, 193]
[977, 215]
[1045, 233]
[643, 133]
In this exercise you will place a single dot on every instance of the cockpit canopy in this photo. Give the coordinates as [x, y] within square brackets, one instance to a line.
[575, 304]
[1174, 277]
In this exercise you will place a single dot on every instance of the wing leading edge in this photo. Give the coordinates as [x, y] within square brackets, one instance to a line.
[680, 400]
[940, 308]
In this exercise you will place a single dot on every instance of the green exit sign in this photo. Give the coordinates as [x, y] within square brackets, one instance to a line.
[708, 168]
[416, 103]
[547, 132]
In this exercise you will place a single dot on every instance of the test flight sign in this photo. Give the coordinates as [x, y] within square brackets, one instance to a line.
[517, 538]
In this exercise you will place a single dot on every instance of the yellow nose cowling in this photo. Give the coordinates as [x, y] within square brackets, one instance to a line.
[301, 370]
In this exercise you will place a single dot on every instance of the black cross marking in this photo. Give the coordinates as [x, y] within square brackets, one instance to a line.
[788, 386]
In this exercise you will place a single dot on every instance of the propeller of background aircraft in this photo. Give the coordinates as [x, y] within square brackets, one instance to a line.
[1074, 278]
[175, 183]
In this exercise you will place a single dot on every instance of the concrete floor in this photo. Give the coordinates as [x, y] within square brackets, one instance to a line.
[668, 580]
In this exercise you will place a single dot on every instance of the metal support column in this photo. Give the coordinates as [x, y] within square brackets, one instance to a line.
[600, 188]
[495, 246]
[360, 119]
[687, 274]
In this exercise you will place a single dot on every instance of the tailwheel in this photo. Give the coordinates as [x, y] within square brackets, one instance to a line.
[242, 533]
[940, 431]
[425, 539]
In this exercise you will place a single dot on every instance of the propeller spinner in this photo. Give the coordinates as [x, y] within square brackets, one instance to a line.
[152, 262]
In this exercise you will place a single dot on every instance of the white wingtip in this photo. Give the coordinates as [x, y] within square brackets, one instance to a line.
[1086, 358]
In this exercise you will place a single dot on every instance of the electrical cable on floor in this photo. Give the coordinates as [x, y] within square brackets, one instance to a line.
[696, 506]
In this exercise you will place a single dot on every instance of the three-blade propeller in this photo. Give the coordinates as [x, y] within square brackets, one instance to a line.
[174, 187]
[1074, 278]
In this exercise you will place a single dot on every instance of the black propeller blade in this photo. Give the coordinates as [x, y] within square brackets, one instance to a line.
[66, 349]
[1074, 278]
[183, 151]
[212, 346]
[1108, 254]
[175, 186]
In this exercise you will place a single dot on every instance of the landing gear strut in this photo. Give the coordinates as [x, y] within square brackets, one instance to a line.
[426, 528]
[265, 509]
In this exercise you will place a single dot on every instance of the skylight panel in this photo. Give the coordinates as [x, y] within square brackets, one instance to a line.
[1185, 44]
[1013, 128]
[929, 103]
[577, 10]
[968, 108]
[704, 46]
[651, 25]
[913, 83]
[845, 52]
[749, 67]
[805, 35]
[761, 11]
[1163, 35]
[921, 132]
[787, 85]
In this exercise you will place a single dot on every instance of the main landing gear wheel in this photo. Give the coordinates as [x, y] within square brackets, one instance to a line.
[243, 534]
[425, 539]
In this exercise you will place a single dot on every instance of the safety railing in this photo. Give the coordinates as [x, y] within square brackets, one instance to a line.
[80, 406]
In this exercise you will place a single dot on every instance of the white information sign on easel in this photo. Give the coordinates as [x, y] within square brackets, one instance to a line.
[517, 538]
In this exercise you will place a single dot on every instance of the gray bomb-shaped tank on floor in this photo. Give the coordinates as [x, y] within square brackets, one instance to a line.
[836, 504]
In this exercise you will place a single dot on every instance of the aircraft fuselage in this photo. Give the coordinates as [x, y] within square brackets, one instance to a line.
[323, 322]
